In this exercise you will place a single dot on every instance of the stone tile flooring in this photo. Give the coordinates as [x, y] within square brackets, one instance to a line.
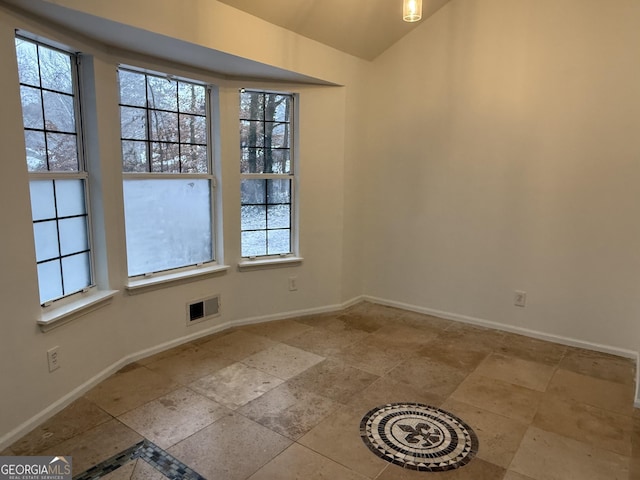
[284, 400]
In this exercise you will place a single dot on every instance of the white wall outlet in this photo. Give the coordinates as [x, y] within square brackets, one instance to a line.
[53, 359]
[520, 298]
[293, 283]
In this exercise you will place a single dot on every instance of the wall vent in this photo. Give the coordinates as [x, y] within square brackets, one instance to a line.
[204, 309]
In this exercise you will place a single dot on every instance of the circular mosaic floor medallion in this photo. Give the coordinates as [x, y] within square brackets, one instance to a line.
[418, 437]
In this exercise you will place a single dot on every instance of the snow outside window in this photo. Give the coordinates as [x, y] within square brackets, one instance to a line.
[57, 175]
[168, 179]
[267, 174]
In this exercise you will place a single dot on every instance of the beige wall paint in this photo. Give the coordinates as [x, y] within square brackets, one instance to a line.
[504, 155]
[355, 172]
[97, 341]
[215, 25]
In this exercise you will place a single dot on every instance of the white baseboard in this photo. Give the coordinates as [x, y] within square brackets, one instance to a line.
[76, 393]
[297, 313]
[572, 342]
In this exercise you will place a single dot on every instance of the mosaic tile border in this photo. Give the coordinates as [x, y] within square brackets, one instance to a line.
[418, 437]
[155, 456]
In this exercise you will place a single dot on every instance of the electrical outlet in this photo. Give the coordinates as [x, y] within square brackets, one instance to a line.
[520, 298]
[53, 359]
[293, 283]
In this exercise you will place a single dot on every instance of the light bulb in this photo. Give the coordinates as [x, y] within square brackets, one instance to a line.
[412, 10]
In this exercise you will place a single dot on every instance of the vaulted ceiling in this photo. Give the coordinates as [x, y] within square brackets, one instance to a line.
[364, 28]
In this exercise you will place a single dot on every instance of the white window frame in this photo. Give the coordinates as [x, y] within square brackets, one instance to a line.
[151, 280]
[293, 257]
[82, 174]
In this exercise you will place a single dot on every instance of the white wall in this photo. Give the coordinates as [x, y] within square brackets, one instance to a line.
[216, 25]
[99, 341]
[504, 155]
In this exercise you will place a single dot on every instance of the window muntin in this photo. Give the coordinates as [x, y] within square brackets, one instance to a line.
[267, 176]
[164, 124]
[168, 177]
[57, 177]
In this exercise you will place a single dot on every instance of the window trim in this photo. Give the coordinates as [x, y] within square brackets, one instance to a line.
[82, 173]
[293, 258]
[176, 276]
[75, 306]
[145, 281]
[260, 263]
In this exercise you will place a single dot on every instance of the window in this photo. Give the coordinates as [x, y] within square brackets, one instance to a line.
[267, 174]
[168, 178]
[57, 174]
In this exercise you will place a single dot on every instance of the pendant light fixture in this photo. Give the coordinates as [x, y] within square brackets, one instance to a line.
[411, 10]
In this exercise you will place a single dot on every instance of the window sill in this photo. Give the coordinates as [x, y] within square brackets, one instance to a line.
[167, 279]
[54, 317]
[246, 265]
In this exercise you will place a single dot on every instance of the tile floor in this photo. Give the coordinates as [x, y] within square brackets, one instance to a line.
[284, 400]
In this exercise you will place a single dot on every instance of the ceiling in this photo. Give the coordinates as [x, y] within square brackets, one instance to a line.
[364, 28]
[130, 38]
